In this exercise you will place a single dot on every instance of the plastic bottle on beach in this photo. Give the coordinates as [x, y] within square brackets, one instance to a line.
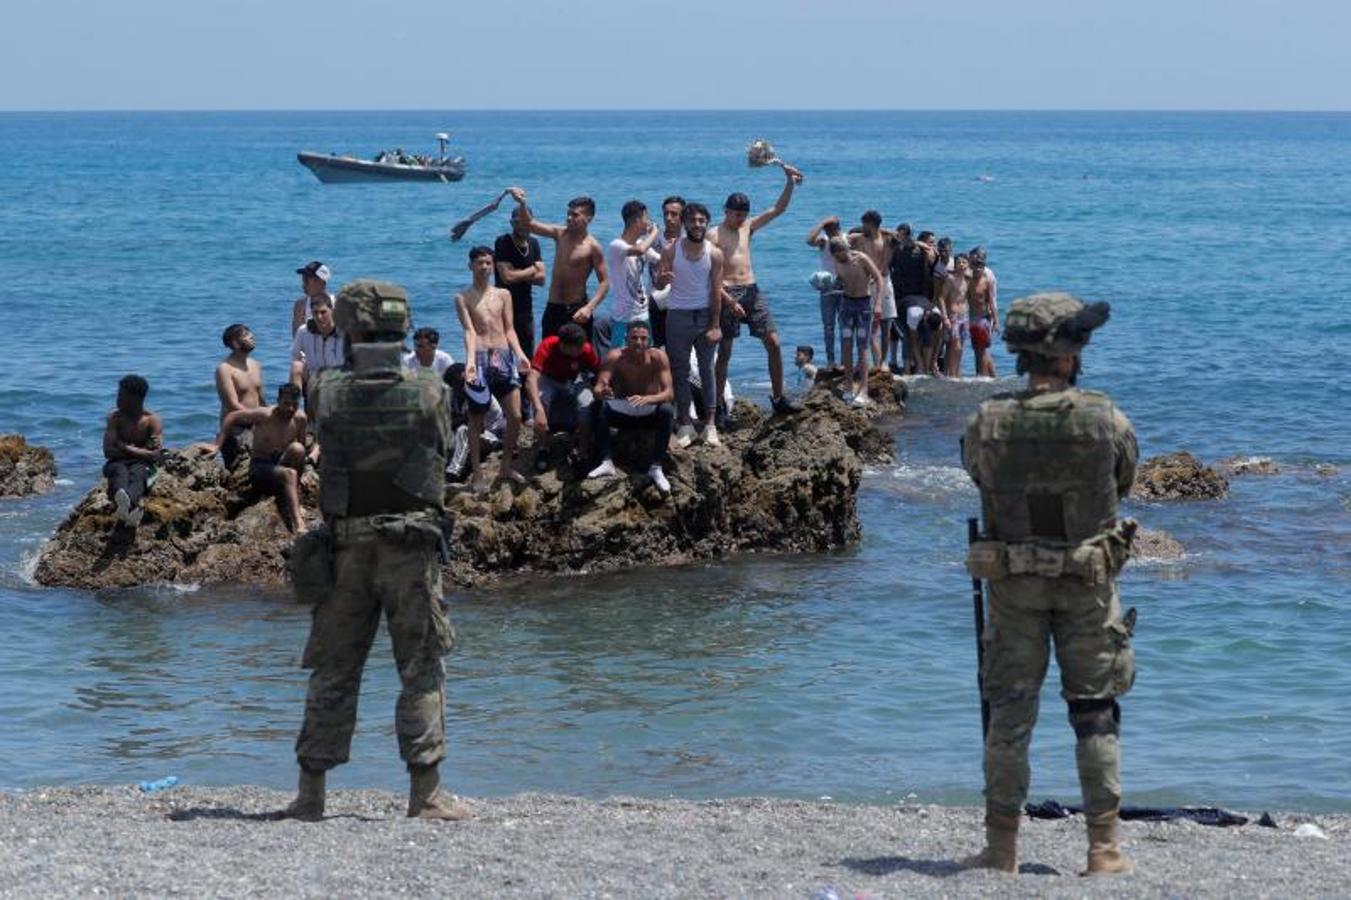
[150, 787]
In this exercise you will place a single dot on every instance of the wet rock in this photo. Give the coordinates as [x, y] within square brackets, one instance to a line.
[1178, 476]
[25, 468]
[1237, 466]
[778, 483]
[1155, 545]
[201, 524]
[1325, 470]
[781, 483]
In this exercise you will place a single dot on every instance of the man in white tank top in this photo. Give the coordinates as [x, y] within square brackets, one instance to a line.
[692, 268]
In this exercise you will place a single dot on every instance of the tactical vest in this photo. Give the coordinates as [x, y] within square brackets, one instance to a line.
[1046, 465]
[382, 439]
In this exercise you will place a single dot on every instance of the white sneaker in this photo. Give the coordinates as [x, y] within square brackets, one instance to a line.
[659, 479]
[123, 503]
[861, 400]
[684, 436]
[711, 436]
[134, 517]
[604, 470]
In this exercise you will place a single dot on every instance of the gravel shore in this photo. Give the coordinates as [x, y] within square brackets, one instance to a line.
[217, 842]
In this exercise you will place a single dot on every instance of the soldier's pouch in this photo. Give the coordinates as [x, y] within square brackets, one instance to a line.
[988, 559]
[1123, 661]
[310, 565]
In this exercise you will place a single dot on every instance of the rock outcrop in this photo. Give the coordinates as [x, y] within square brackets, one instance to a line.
[1178, 476]
[201, 524]
[786, 484]
[1154, 546]
[25, 468]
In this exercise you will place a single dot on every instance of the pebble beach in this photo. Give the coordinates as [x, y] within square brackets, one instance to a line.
[219, 842]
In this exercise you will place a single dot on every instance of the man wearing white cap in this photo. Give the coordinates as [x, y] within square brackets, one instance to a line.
[314, 278]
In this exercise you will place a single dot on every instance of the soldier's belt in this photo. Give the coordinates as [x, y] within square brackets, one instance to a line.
[386, 526]
[993, 560]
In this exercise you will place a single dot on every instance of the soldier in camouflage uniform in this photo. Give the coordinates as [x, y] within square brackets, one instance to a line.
[383, 432]
[1051, 463]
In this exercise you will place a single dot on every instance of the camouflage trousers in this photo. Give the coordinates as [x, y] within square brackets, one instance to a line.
[400, 576]
[1092, 647]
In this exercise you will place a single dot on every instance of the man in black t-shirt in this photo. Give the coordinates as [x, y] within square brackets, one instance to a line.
[519, 268]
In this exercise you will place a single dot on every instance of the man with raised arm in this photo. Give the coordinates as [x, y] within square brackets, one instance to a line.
[492, 355]
[691, 268]
[829, 289]
[576, 255]
[239, 384]
[745, 301]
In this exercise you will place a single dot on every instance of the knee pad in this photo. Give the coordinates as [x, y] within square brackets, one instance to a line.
[1094, 717]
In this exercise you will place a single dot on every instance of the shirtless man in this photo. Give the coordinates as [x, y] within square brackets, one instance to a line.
[132, 443]
[952, 300]
[982, 294]
[877, 244]
[576, 255]
[635, 391]
[239, 384]
[744, 300]
[278, 450]
[314, 278]
[492, 351]
[862, 283]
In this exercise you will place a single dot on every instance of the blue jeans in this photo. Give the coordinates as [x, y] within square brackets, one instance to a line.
[830, 312]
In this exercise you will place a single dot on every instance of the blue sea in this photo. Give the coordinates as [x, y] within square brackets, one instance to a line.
[129, 241]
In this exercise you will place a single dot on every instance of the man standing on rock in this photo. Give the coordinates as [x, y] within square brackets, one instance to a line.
[278, 456]
[744, 300]
[576, 255]
[1051, 463]
[382, 494]
[314, 277]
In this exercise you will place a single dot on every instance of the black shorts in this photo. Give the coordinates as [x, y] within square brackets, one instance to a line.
[556, 315]
[266, 477]
[758, 319]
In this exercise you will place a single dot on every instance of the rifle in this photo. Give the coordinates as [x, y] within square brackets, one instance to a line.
[978, 604]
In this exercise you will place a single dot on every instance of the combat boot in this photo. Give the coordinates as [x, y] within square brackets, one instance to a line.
[308, 805]
[425, 800]
[1001, 845]
[1104, 852]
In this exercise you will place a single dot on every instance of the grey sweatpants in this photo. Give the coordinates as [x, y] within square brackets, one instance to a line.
[685, 329]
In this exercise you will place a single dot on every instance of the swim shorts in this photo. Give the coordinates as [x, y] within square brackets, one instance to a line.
[758, 317]
[980, 333]
[888, 300]
[961, 329]
[915, 306]
[856, 317]
[556, 315]
[497, 369]
[265, 475]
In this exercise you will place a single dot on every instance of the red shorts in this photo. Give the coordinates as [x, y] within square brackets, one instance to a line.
[980, 333]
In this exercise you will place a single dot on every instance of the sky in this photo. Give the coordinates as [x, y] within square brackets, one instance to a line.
[676, 54]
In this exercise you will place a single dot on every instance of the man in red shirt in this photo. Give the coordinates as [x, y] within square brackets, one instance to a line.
[559, 384]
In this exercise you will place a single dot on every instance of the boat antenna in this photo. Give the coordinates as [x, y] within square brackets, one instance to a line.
[442, 138]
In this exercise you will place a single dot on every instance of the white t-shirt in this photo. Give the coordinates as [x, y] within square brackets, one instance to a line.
[440, 362]
[827, 258]
[628, 299]
[317, 351]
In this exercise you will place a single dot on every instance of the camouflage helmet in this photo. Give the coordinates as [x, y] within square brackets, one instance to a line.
[372, 306]
[1052, 324]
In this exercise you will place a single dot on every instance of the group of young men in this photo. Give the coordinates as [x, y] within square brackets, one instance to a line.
[891, 293]
[656, 358]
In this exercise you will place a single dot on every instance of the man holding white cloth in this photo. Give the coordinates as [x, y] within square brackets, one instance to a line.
[635, 391]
